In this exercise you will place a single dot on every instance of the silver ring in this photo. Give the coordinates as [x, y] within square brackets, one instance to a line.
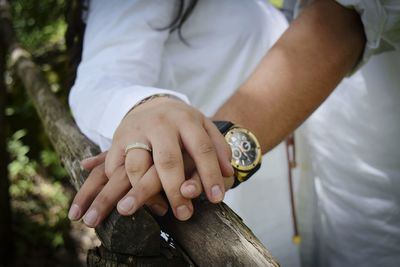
[137, 145]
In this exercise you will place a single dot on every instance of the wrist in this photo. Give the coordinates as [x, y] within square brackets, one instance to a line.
[153, 97]
[153, 100]
[245, 148]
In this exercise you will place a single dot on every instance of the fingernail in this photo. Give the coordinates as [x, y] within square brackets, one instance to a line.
[190, 189]
[216, 193]
[74, 212]
[183, 212]
[90, 217]
[158, 209]
[126, 204]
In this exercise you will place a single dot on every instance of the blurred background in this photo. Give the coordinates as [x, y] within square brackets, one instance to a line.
[39, 189]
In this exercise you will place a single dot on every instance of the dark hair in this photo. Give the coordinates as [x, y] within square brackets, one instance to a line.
[74, 37]
[183, 12]
[76, 27]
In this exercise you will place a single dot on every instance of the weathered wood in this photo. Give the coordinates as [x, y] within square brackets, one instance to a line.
[6, 237]
[102, 257]
[216, 236]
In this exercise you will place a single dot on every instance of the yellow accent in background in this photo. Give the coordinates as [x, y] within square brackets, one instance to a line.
[296, 239]
[277, 3]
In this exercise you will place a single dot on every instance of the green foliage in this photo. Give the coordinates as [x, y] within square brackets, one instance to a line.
[51, 161]
[39, 24]
[40, 27]
[40, 206]
[277, 3]
[20, 165]
[39, 197]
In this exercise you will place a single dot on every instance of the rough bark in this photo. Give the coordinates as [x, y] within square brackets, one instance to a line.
[6, 243]
[102, 257]
[216, 236]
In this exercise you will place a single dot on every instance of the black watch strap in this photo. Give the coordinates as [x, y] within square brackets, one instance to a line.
[235, 183]
[223, 126]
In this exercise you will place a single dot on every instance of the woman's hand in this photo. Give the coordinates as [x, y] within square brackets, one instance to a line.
[170, 127]
[96, 182]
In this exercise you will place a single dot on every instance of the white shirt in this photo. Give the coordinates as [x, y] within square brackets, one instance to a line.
[353, 218]
[125, 58]
[355, 153]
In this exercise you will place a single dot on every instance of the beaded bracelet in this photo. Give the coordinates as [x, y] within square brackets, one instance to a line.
[144, 100]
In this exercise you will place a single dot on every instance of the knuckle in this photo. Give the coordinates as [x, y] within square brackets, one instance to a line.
[108, 172]
[108, 169]
[187, 115]
[133, 169]
[206, 148]
[160, 118]
[168, 161]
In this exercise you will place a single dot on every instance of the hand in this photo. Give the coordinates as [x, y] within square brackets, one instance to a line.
[96, 182]
[182, 128]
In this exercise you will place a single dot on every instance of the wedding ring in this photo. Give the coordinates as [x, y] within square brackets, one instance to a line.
[137, 145]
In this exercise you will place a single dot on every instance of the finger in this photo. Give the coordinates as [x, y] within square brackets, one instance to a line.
[106, 199]
[89, 163]
[167, 157]
[200, 147]
[114, 159]
[148, 186]
[157, 205]
[192, 187]
[137, 162]
[87, 193]
[222, 148]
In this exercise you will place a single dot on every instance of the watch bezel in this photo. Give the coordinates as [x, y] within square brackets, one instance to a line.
[257, 160]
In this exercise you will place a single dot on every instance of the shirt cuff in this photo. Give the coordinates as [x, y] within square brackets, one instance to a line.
[122, 101]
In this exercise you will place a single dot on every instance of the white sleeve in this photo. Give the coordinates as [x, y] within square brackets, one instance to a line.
[120, 64]
[381, 20]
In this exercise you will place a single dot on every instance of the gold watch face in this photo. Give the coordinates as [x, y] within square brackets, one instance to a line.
[246, 151]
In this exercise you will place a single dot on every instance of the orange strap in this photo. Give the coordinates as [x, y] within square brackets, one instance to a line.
[291, 159]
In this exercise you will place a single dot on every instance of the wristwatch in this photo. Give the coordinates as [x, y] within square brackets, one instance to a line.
[246, 151]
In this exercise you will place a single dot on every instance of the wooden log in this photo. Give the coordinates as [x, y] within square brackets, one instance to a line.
[217, 236]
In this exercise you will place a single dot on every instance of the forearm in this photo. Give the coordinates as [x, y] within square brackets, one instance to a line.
[298, 73]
